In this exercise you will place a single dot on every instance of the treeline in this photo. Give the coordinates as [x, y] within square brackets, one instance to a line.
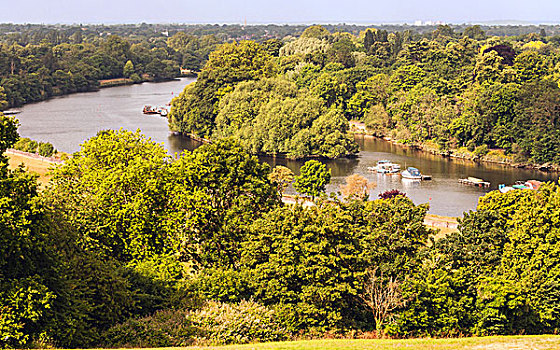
[455, 92]
[44, 149]
[127, 247]
[36, 66]
[59, 33]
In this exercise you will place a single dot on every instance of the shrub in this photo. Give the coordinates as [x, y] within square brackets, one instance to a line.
[163, 328]
[136, 78]
[22, 144]
[481, 151]
[45, 149]
[391, 193]
[31, 146]
[215, 323]
[248, 321]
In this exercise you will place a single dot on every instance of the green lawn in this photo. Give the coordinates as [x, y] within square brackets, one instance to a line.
[486, 343]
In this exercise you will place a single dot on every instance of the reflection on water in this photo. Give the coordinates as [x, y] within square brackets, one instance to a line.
[68, 121]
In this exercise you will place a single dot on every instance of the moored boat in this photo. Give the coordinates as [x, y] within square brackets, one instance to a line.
[520, 185]
[149, 110]
[385, 167]
[411, 173]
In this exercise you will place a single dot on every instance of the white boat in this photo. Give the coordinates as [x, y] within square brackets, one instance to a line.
[411, 174]
[162, 111]
[386, 167]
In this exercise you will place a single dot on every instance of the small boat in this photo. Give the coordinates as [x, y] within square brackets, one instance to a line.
[162, 111]
[411, 174]
[149, 110]
[10, 112]
[385, 167]
[520, 185]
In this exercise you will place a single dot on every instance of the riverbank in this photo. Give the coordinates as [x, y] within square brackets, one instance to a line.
[494, 156]
[34, 163]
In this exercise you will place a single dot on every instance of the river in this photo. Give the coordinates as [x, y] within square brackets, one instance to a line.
[69, 120]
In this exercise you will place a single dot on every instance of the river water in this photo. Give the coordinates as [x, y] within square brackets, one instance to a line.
[69, 120]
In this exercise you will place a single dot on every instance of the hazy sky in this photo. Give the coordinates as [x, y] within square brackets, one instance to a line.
[287, 11]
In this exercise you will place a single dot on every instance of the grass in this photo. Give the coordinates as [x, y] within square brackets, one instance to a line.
[542, 342]
[36, 166]
[443, 224]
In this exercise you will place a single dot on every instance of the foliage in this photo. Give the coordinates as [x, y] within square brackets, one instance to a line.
[214, 193]
[241, 323]
[390, 194]
[357, 187]
[313, 178]
[112, 191]
[297, 254]
[166, 328]
[282, 176]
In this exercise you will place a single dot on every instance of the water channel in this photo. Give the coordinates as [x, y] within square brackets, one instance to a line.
[69, 120]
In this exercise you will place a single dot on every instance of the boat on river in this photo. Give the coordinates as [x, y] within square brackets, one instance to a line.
[520, 185]
[148, 109]
[386, 167]
[411, 173]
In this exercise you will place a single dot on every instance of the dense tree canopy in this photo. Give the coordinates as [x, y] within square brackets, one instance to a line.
[127, 245]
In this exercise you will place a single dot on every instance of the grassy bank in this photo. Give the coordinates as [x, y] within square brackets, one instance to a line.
[115, 82]
[544, 342]
[34, 164]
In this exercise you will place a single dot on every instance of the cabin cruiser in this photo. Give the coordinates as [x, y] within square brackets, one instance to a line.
[411, 174]
[385, 167]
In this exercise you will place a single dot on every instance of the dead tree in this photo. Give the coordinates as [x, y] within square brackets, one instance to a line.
[382, 296]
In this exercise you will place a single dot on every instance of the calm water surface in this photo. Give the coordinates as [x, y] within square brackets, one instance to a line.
[67, 121]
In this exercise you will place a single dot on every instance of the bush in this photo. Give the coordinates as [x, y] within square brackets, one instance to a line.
[216, 323]
[136, 78]
[481, 151]
[164, 328]
[31, 146]
[391, 193]
[22, 144]
[45, 149]
[248, 321]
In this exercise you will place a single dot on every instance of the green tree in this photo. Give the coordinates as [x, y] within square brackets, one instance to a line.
[128, 69]
[214, 193]
[313, 178]
[317, 32]
[112, 191]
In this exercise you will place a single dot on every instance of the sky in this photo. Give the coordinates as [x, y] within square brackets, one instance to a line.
[286, 11]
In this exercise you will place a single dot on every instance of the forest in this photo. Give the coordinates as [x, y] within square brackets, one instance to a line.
[38, 64]
[463, 93]
[127, 246]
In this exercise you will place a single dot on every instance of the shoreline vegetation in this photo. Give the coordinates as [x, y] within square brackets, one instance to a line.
[221, 261]
[461, 95]
[497, 156]
[42, 166]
